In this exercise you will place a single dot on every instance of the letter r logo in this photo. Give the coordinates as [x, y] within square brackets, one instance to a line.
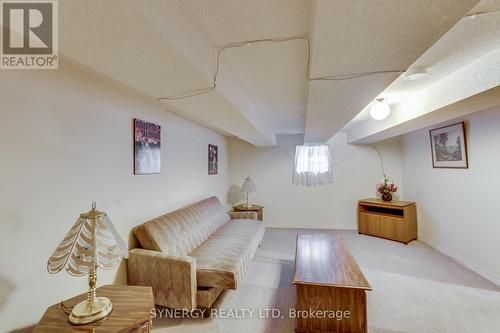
[27, 27]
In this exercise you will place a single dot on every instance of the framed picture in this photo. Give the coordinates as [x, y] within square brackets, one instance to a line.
[449, 147]
[213, 159]
[147, 148]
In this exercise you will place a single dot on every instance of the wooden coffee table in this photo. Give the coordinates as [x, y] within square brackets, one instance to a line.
[132, 309]
[331, 289]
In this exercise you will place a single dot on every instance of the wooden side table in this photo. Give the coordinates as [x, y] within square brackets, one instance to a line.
[132, 310]
[253, 208]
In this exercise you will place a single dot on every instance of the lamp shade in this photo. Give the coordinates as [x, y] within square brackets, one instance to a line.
[248, 186]
[92, 241]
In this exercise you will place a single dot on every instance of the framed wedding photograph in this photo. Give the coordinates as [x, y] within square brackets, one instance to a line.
[449, 147]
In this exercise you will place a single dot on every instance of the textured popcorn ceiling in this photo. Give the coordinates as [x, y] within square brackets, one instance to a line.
[166, 47]
[469, 40]
[364, 36]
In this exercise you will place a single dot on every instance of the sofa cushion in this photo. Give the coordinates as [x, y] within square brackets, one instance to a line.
[180, 232]
[224, 257]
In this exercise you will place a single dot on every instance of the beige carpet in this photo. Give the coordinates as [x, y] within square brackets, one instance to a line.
[415, 290]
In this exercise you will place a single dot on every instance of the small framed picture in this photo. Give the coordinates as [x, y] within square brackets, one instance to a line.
[147, 148]
[213, 159]
[449, 147]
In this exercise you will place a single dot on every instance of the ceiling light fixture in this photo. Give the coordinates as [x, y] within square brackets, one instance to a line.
[379, 109]
[415, 73]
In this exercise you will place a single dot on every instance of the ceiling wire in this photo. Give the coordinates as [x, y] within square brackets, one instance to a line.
[217, 65]
[348, 158]
[218, 54]
[381, 158]
[219, 50]
[360, 149]
[474, 15]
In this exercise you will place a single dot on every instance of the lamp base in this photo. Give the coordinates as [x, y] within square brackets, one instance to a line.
[247, 205]
[87, 312]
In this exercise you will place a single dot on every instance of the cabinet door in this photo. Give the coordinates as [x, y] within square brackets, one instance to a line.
[392, 228]
[369, 224]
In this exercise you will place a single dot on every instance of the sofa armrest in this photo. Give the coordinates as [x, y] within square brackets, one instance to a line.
[173, 278]
[243, 215]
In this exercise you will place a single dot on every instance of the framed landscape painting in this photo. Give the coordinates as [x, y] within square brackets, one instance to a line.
[147, 148]
[213, 159]
[449, 147]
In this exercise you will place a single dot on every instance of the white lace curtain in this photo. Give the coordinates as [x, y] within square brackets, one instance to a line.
[313, 165]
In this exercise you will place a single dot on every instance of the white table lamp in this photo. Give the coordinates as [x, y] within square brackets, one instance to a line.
[248, 187]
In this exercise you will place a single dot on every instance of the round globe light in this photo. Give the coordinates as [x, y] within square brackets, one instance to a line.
[379, 110]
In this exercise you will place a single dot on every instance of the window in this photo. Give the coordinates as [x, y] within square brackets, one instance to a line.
[313, 165]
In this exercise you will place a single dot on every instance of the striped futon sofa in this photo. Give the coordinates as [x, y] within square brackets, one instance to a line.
[191, 255]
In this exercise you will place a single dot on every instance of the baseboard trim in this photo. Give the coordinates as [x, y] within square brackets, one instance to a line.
[467, 263]
[310, 227]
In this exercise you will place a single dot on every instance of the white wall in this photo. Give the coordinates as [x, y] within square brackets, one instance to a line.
[65, 141]
[458, 208]
[331, 206]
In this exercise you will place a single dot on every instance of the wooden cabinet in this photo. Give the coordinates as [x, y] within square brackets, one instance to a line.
[395, 220]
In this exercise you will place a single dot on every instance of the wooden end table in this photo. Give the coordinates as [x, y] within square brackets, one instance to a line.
[253, 208]
[132, 309]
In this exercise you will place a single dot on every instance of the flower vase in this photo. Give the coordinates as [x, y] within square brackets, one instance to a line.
[387, 196]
